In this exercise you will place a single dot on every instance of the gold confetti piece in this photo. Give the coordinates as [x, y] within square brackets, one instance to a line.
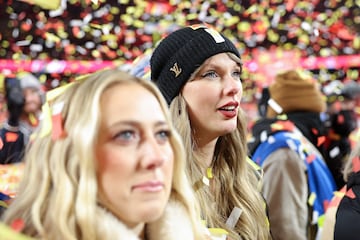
[52, 37]
[244, 26]
[191, 16]
[130, 10]
[209, 173]
[139, 23]
[46, 4]
[339, 194]
[98, 26]
[356, 42]
[127, 19]
[218, 231]
[95, 53]
[114, 10]
[273, 36]
[311, 199]
[231, 21]
[108, 37]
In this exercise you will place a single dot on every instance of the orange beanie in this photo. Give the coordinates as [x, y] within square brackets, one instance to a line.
[292, 93]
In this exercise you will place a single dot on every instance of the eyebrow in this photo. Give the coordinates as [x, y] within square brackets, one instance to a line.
[216, 66]
[137, 123]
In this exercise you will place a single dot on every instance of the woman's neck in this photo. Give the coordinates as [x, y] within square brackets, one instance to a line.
[206, 151]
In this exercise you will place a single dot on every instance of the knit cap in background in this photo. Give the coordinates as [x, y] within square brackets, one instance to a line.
[294, 92]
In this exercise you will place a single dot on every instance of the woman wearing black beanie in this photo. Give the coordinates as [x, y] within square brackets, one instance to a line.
[198, 71]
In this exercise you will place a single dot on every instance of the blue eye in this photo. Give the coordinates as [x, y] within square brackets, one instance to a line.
[127, 135]
[163, 135]
[236, 74]
[210, 74]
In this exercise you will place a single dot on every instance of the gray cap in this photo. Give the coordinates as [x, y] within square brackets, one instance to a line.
[27, 80]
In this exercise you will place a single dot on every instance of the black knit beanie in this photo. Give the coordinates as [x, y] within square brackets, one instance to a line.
[179, 54]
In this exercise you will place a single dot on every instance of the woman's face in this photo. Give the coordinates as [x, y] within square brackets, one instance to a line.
[213, 97]
[134, 156]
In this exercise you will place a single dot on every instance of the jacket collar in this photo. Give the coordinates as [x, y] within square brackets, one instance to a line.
[173, 225]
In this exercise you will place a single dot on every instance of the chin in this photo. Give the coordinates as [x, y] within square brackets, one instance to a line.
[152, 213]
[228, 128]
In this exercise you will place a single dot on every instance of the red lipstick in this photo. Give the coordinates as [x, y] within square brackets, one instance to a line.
[229, 110]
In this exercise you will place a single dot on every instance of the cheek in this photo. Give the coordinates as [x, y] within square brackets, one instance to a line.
[112, 168]
[198, 96]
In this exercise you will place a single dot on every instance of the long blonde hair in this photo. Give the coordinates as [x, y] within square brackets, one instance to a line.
[58, 195]
[348, 166]
[235, 183]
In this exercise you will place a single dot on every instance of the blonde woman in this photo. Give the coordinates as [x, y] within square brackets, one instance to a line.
[198, 71]
[110, 167]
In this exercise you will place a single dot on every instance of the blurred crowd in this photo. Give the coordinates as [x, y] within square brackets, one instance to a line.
[111, 30]
[123, 30]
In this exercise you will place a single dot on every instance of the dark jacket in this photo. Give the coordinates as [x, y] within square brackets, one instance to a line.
[13, 141]
[348, 213]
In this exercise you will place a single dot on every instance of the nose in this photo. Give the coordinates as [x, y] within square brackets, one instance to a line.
[153, 155]
[232, 86]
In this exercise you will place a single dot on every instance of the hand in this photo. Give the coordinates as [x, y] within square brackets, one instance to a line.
[15, 104]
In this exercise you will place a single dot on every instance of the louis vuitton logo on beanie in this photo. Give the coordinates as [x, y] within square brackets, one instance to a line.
[176, 69]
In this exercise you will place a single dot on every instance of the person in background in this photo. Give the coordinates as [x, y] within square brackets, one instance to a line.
[115, 171]
[348, 211]
[346, 217]
[198, 70]
[297, 182]
[24, 97]
[342, 122]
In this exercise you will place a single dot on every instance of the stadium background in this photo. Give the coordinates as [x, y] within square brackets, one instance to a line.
[60, 39]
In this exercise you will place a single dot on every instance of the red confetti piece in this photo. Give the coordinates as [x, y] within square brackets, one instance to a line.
[350, 193]
[321, 140]
[18, 225]
[11, 137]
[57, 127]
[310, 158]
[356, 164]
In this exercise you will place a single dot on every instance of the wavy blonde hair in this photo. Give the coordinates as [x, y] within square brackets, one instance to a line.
[236, 181]
[58, 195]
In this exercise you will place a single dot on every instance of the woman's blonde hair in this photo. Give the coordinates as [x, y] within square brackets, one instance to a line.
[235, 181]
[353, 156]
[58, 195]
